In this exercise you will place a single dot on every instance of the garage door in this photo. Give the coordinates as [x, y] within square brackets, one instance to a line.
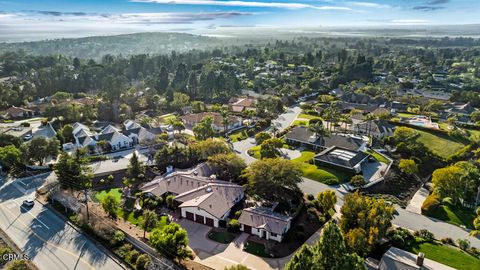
[247, 229]
[189, 216]
[209, 221]
[200, 219]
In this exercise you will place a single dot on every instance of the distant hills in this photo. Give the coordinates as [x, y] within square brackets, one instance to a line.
[128, 44]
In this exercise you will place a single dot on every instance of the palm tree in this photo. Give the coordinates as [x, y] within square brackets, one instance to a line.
[225, 115]
[320, 132]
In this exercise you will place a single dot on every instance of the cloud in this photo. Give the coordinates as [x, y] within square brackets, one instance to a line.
[437, 2]
[238, 3]
[410, 22]
[427, 8]
[431, 5]
[369, 5]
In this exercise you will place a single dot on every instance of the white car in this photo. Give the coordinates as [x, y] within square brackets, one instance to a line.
[27, 137]
[28, 202]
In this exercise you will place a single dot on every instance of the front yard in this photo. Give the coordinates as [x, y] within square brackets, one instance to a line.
[455, 215]
[221, 236]
[445, 254]
[257, 249]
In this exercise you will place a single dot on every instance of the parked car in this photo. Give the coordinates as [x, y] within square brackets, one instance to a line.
[28, 203]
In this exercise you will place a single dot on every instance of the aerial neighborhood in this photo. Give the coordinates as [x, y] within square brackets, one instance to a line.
[308, 153]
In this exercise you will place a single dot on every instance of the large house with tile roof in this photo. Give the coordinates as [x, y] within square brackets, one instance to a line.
[201, 199]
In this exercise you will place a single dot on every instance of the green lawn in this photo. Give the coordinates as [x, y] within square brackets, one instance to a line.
[454, 215]
[114, 191]
[308, 116]
[447, 255]
[221, 237]
[238, 135]
[256, 249]
[134, 218]
[255, 152]
[406, 115]
[301, 123]
[442, 145]
[305, 157]
[379, 157]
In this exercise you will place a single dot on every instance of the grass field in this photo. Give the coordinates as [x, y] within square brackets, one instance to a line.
[256, 249]
[301, 123]
[442, 145]
[378, 156]
[406, 115]
[447, 255]
[306, 156]
[454, 215]
[308, 116]
[114, 191]
[238, 135]
[132, 217]
[221, 237]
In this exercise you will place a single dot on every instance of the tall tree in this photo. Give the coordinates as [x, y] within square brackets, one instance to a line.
[170, 240]
[149, 221]
[227, 167]
[271, 178]
[204, 129]
[136, 169]
[320, 132]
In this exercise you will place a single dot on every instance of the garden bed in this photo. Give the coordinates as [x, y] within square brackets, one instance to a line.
[221, 237]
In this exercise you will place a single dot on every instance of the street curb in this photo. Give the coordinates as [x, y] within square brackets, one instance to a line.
[107, 251]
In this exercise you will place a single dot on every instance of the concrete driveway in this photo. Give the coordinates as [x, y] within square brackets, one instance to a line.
[219, 256]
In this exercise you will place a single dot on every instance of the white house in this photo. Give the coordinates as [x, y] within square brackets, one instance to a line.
[264, 223]
[84, 137]
[205, 200]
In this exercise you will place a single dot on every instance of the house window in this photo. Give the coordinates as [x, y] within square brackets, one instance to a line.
[273, 234]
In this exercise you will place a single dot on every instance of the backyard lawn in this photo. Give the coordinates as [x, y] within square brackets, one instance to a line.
[114, 191]
[221, 237]
[306, 156]
[256, 249]
[134, 218]
[442, 145]
[454, 215]
[447, 255]
[300, 122]
[379, 157]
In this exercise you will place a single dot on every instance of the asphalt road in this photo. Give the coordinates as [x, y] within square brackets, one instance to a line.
[403, 218]
[46, 238]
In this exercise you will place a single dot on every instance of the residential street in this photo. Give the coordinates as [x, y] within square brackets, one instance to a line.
[46, 238]
[404, 218]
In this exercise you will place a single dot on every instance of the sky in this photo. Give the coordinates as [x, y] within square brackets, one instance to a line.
[65, 18]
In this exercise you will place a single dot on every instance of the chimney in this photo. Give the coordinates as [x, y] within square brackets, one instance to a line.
[420, 259]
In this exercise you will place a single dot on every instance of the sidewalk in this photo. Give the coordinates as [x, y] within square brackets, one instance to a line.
[415, 205]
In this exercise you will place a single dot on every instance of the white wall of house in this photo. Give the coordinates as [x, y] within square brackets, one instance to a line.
[265, 234]
[197, 211]
[120, 141]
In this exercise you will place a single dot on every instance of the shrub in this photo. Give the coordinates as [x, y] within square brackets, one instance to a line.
[124, 250]
[132, 256]
[3, 251]
[142, 262]
[310, 197]
[431, 203]
[425, 234]
[447, 241]
[25, 124]
[118, 237]
[400, 237]
[261, 137]
[357, 181]
[18, 265]
[463, 244]
[170, 200]
[233, 225]
[474, 251]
